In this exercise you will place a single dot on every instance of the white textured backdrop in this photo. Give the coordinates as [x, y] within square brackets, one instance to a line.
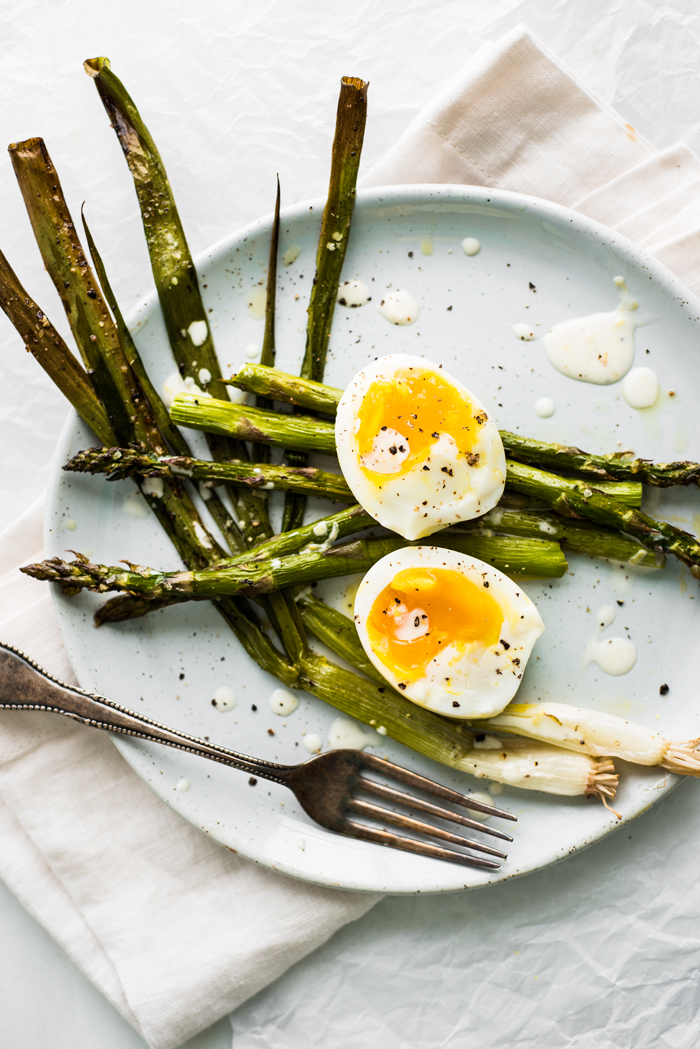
[233, 93]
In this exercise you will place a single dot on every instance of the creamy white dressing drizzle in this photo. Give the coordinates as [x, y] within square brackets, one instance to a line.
[172, 386]
[183, 785]
[426, 246]
[524, 332]
[204, 376]
[202, 535]
[326, 544]
[598, 348]
[224, 699]
[291, 255]
[637, 558]
[640, 388]
[191, 387]
[70, 524]
[544, 407]
[398, 307]
[256, 302]
[495, 516]
[180, 471]
[175, 384]
[283, 702]
[346, 733]
[353, 293]
[252, 351]
[152, 486]
[471, 246]
[613, 655]
[312, 742]
[198, 332]
[485, 799]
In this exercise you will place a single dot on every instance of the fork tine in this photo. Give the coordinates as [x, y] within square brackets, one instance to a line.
[370, 786]
[412, 779]
[377, 812]
[396, 841]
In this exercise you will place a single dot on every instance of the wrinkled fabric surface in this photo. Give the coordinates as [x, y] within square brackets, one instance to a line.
[516, 119]
[176, 931]
[598, 951]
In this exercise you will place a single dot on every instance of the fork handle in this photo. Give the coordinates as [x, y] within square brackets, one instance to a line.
[32, 688]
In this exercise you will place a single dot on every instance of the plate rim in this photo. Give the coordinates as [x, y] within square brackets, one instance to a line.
[404, 194]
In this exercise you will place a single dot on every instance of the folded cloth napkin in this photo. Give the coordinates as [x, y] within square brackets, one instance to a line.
[175, 930]
[515, 119]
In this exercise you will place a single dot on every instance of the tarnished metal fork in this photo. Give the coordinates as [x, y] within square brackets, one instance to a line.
[326, 786]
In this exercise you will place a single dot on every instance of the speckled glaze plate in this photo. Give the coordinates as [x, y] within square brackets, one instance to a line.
[539, 264]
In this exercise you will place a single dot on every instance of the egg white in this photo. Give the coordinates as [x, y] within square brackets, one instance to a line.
[482, 681]
[452, 489]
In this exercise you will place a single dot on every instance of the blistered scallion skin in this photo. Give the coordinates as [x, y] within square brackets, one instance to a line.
[450, 632]
[418, 450]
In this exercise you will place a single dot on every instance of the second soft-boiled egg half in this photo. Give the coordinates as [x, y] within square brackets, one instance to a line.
[449, 631]
[418, 450]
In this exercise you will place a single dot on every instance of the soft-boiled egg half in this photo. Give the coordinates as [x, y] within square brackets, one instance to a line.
[450, 632]
[418, 450]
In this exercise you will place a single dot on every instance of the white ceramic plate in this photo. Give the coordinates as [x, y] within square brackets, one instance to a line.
[169, 663]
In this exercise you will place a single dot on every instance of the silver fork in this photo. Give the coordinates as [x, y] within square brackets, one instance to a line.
[326, 786]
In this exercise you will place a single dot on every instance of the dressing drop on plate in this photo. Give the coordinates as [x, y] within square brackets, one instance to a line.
[598, 348]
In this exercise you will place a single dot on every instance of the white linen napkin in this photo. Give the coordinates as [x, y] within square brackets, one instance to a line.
[174, 929]
[515, 119]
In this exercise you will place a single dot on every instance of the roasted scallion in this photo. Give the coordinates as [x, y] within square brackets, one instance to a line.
[589, 731]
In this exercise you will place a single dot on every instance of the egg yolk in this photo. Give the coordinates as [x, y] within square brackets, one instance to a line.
[420, 406]
[422, 611]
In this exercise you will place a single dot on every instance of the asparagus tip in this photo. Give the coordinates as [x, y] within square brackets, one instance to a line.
[53, 568]
[35, 571]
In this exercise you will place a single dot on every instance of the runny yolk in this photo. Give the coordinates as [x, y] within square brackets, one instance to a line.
[419, 405]
[458, 612]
